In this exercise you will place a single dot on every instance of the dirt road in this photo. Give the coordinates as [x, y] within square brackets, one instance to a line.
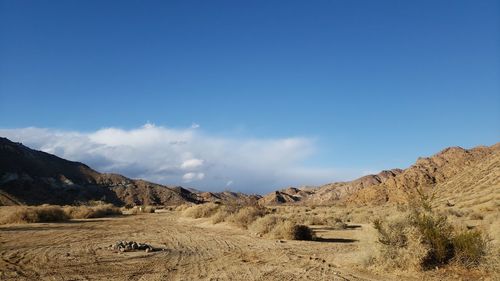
[194, 250]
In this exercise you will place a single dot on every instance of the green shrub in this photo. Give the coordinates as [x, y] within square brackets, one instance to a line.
[436, 234]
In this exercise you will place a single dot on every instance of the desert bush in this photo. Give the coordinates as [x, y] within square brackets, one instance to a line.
[182, 207]
[265, 225]
[433, 239]
[36, 214]
[224, 212]
[401, 244]
[246, 215]
[291, 231]
[470, 248]
[201, 211]
[436, 234]
[91, 211]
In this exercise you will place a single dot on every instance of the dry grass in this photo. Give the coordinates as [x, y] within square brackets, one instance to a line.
[224, 212]
[470, 248]
[201, 211]
[265, 225]
[246, 215]
[291, 231]
[95, 211]
[35, 214]
[183, 207]
[54, 213]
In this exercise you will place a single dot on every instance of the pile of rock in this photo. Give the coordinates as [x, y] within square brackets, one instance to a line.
[130, 246]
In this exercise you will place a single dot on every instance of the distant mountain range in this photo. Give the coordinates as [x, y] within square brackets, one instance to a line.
[33, 177]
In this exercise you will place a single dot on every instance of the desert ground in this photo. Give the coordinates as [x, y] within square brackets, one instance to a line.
[189, 249]
[193, 250]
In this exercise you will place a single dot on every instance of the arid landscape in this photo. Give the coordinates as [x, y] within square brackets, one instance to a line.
[196, 235]
[249, 140]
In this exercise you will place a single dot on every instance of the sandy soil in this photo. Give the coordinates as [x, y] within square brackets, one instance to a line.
[194, 250]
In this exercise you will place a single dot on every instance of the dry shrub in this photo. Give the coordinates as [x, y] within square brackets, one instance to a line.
[92, 211]
[182, 207]
[246, 215]
[423, 239]
[436, 233]
[224, 212]
[470, 248]
[36, 214]
[401, 244]
[291, 231]
[265, 224]
[201, 211]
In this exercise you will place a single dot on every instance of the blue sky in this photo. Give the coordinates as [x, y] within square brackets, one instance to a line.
[359, 85]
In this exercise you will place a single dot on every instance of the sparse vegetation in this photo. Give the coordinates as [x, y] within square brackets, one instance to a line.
[246, 215]
[291, 231]
[470, 248]
[201, 211]
[429, 238]
[91, 211]
[54, 213]
[36, 214]
[265, 225]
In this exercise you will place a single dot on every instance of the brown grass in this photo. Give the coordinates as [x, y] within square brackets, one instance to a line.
[36, 214]
[470, 248]
[265, 225]
[246, 215]
[92, 211]
[201, 211]
[291, 231]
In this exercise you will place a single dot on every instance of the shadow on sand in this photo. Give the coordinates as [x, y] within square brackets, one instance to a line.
[335, 240]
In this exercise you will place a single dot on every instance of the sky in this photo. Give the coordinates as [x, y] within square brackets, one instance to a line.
[249, 95]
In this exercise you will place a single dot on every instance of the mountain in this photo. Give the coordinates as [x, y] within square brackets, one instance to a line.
[469, 172]
[33, 177]
[442, 173]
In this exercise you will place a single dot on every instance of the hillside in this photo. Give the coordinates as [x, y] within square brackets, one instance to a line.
[33, 177]
[453, 173]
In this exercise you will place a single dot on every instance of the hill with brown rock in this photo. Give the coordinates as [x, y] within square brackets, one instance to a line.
[34, 177]
[450, 172]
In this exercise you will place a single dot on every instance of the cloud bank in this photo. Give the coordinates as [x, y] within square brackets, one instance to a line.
[188, 157]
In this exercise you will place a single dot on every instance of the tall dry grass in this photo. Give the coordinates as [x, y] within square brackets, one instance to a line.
[91, 211]
[35, 214]
[54, 213]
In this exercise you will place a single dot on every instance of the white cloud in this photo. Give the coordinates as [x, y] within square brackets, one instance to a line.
[176, 156]
[191, 163]
[189, 177]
